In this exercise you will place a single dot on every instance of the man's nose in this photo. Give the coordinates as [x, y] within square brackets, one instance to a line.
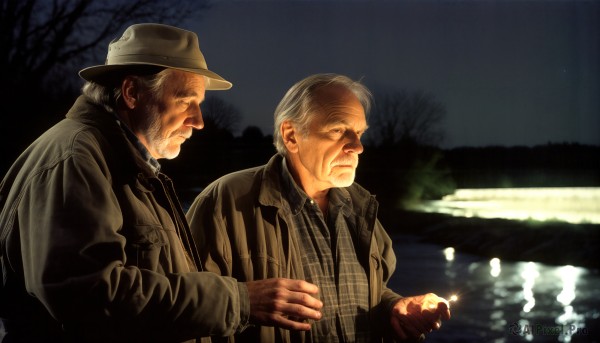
[195, 119]
[354, 144]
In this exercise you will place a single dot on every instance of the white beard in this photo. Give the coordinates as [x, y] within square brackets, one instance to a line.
[343, 180]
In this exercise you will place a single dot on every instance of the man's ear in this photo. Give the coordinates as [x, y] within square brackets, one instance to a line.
[289, 134]
[129, 92]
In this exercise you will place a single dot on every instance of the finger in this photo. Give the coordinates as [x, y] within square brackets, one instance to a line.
[435, 313]
[405, 332]
[431, 321]
[290, 324]
[304, 300]
[443, 305]
[422, 316]
[412, 326]
[398, 330]
[300, 286]
[298, 311]
[431, 300]
[434, 323]
[443, 310]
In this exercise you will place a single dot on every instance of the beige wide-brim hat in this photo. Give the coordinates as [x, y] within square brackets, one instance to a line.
[155, 45]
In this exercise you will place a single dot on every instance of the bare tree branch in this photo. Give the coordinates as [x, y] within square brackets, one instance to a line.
[39, 36]
[220, 115]
[407, 117]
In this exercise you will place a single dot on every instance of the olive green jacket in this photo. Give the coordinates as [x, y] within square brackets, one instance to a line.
[240, 223]
[94, 245]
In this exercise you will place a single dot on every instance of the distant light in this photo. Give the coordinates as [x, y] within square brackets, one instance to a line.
[495, 267]
[572, 205]
[453, 298]
[449, 254]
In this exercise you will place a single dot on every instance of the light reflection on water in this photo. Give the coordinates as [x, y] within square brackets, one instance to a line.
[501, 301]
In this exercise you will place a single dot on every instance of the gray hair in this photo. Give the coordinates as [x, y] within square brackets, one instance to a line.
[108, 96]
[296, 106]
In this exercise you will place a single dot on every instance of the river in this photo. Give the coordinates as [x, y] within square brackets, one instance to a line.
[500, 301]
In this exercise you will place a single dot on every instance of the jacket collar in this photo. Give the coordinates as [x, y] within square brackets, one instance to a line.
[270, 194]
[85, 111]
[362, 202]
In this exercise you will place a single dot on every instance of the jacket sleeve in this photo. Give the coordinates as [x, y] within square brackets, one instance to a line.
[74, 263]
[209, 231]
[388, 259]
[388, 265]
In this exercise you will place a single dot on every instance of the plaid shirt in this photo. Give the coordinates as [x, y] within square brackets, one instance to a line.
[331, 263]
[152, 162]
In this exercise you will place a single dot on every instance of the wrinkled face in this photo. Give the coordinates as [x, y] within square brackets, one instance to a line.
[169, 120]
[327, 155]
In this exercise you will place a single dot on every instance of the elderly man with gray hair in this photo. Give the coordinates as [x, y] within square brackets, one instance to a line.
[302, 216]
[94, 245]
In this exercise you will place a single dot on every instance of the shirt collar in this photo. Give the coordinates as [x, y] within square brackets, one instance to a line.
[151, 161]
[297, 197]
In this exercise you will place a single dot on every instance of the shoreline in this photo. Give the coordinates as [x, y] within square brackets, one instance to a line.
[553, 243]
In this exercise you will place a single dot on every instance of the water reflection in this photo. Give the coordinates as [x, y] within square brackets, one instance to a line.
[569, 276]
[529, 273]
[501, 301]
[495, 267]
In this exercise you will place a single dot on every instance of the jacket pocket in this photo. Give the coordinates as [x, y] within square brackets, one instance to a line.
[144, 245]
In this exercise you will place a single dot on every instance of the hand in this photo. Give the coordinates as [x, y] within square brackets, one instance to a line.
[413, 317]
[283, 302]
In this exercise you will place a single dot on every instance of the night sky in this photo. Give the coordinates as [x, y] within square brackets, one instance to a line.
[508, 72]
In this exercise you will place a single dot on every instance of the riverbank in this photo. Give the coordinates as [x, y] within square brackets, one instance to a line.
[554, 243]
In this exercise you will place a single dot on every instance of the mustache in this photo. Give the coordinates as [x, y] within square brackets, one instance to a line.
[187, 134]
[345, 161]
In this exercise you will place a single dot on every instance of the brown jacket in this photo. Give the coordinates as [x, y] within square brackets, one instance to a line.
[240, 225]
[95, 247]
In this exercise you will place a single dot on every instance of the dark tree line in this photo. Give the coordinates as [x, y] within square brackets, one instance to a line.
[551, 165]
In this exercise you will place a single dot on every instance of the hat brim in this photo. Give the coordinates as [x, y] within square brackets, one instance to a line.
[101, 73]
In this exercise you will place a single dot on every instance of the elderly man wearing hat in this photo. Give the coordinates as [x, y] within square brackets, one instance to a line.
[94, 245]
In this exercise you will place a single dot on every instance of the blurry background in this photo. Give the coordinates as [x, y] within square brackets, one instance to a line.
[484, 139]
